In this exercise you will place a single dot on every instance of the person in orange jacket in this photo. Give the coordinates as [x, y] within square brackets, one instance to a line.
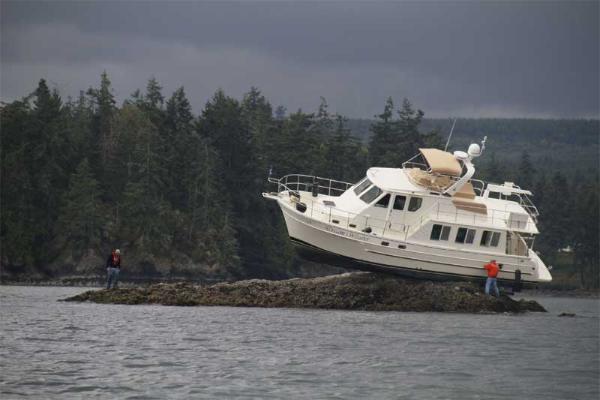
[492, 272]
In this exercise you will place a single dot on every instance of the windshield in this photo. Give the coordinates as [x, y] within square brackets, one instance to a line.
[371, 194]
[361, 186]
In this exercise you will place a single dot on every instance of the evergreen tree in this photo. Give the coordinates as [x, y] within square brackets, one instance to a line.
[141, 215]
[345, 158]
[557, 232]
[81, 213]
[263, 234]
[539, 193]
[382, 134]
[104, 111]
[300, 147]
[16, 191]
[526, 171]
[492, 171]
[432, 140]
[280, 112]
[46, 159]
[409, 139]
[79, 131]
[154, 97]
[222, 124]
[394, 142]
[585, 229]
[179, 148]
[258, 116]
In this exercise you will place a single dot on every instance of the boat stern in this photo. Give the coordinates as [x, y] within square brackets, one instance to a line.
[543, 273]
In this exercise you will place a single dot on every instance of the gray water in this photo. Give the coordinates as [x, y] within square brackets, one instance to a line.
[51, 349]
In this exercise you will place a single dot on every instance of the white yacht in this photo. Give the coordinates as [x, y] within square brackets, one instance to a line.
[428, 219]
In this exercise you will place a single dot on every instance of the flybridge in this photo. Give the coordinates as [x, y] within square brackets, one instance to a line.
[428, 218]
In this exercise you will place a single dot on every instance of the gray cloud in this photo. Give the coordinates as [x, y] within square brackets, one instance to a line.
[449, 58]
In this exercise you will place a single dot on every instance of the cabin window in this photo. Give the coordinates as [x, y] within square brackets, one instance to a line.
[465, 235]
[371, 194]
[440, 232]
[445, 233]
[470, 236]
[490, 239]
[361, 186]
[383, 202]
[415, 203]
[399, 202]
[495, 239]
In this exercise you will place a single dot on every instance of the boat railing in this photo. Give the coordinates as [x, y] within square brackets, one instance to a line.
[335, 216]
[478, 184]
[310, 183]
[528, 205]
[413, 164]
[318, 210]
[524, 201]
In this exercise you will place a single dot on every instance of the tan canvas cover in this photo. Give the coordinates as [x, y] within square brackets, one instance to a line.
[441, 162]
[466, 191]
[470, 205]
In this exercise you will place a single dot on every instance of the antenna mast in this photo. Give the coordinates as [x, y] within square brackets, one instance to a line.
[450, 135]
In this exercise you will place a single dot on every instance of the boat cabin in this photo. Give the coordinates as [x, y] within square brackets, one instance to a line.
[433, 200]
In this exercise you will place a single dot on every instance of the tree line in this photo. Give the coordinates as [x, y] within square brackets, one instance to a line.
[181, 193]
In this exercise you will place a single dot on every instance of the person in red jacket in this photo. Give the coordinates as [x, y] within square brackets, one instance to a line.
[113, 267]
[492, 272]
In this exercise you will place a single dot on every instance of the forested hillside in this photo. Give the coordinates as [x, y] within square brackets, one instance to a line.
[568, 145]
[180, 193]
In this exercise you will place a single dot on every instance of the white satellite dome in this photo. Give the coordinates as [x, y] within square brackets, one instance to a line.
[474, 150]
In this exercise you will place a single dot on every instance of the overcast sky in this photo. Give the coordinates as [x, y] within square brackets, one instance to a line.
[471, 59]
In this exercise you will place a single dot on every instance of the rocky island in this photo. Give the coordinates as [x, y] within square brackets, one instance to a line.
[349, 291]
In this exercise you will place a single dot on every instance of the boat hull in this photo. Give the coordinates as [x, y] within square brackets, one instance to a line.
[325, 243]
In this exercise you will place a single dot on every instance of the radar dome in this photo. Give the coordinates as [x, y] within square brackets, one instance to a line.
[474, 150]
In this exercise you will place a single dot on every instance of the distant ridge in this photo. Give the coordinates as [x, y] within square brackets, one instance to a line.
[567, 142]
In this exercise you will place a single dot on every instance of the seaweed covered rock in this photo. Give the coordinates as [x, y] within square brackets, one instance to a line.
[350, 291]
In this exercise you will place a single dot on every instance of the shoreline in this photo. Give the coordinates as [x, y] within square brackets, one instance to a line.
[99, 282]
[349, 291]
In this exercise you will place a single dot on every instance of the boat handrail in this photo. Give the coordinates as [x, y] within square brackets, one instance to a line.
[412, 164]
[528, 205]
[350, 220]
[525, 202]
[294, 183]
[297, 182]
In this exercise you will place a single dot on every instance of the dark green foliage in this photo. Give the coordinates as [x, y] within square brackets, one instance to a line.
[585, 235]
[526, 172]
[382, 134]
[557, 215]
[346, 158]
[549, 142]
[491, 170]
[181, 194]
[394, 141]
[17, 218]
[103, 104]
[81, 217]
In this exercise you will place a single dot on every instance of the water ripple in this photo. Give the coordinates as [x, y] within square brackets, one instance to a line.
[56, 350]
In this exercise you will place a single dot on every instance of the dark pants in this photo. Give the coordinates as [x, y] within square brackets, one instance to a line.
[113, 276]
